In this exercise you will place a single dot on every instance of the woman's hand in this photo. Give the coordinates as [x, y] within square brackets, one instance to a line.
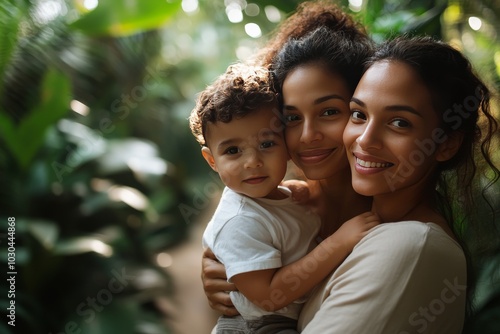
[213, 275]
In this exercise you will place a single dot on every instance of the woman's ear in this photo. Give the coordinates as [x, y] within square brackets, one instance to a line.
[207, 154]
[450, 146]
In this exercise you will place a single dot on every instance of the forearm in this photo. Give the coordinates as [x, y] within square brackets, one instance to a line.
[274, 289]
[300, 277]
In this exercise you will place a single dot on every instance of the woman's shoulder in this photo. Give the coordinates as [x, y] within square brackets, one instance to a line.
[411, 239]
[409, 250]
[410, 230]
[394, 272]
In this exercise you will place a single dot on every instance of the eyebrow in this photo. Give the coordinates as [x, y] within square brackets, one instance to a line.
[395, 107]
[234, 141]
[227, 142]
[320, 100]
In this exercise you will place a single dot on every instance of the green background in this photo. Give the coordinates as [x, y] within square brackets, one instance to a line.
[97, 163]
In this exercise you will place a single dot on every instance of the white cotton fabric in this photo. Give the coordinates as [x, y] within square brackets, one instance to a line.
[404, 277]
[248, 234]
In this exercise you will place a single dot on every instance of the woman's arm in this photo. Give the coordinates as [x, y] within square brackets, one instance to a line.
[215, 284]
[273, 289]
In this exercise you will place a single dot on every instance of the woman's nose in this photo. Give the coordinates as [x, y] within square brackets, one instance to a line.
[370, 137]
[310, 132]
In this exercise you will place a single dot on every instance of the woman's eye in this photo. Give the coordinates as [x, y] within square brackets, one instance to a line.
[291, 118]
[267, 144]
[329, 112]
[358, 115]
[401, 123]
[231, 150]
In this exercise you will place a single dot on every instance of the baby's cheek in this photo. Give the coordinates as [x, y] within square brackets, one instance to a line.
[229, 176]
[232, 169]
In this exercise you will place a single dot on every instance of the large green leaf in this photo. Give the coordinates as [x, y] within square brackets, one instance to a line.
[373, 10]
[10, 17]
[125, 17]
[385, 19]
[83, 244]
[46, 232]
[24, 139]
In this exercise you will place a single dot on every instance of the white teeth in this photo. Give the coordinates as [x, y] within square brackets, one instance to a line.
[371, 164]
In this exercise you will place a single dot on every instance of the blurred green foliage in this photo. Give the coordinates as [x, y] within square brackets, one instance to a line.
[93, 203]
[97, 163]
[112, 18]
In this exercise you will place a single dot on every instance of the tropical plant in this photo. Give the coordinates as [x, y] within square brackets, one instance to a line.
[91, 205]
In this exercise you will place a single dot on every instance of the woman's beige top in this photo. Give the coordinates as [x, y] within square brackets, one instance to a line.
[405, 277]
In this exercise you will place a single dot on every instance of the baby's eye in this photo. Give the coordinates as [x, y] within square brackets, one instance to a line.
[401, 123]
[267, 144]
[358, 115]
[232, 150]
[329, 112]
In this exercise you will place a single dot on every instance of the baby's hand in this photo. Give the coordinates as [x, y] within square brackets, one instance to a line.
[353, 230]
[299, 189]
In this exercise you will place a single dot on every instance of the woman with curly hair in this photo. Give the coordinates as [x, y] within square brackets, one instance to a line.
[258, 232]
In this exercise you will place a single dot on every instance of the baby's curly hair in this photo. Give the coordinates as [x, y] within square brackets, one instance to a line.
[239, 91]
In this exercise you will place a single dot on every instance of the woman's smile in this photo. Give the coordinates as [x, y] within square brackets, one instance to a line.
[370, 167]
[315, 156]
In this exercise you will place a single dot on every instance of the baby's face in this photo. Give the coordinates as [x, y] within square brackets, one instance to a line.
[249, 153]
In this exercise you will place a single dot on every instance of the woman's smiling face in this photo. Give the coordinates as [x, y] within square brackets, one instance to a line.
[316, 110]
[393, 136]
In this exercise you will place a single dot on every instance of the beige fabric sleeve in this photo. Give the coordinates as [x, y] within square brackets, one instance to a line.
[405, 277]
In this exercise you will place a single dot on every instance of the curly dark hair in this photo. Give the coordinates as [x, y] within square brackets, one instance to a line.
[339, 51]
[239, 91]
[309, 16]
